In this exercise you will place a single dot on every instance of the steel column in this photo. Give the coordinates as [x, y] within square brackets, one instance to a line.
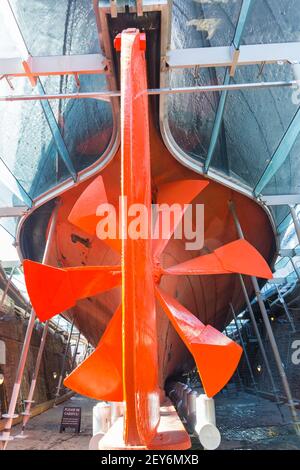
[29, 401]
[270, 333]
[259, 340]
[237, 369]
[245, 8]
[243, 346]
[241, 23]
[280, 154]
[7, 286]
[5, 437]
[286, 310]
[296, 222]
[63, 366]
[218, 122]
[75, 352]
[295, 267]
[56, 134]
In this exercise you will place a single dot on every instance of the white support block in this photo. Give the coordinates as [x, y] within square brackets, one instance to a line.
[101, 418]
[206, 429]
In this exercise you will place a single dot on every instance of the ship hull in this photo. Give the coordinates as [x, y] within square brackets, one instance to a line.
[207, 297]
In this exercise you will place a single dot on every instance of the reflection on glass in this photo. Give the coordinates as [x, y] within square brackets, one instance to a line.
[56, 27]
[273, 21]
[254, 121]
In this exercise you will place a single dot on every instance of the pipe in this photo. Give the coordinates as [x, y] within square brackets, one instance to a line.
[260, 343]
[237, 369]
[243, 346]
[5, 437]
[270, 333]
[286, 310]
[62, 372]
[104, 95]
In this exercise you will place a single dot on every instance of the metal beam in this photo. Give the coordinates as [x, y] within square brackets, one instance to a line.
[203, 57]
[13, 185]
[289, 253]
[16, 211]
[106, 95]
[278, 281]
[63, 365]
[56, 134]
[217, 124]
[54, 65]
[280, 154]
[235, 57]
[281, 199]
[10, 264]
[241, 23]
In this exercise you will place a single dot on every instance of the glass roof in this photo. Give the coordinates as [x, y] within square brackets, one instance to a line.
[254, 121]
[37, 137]
[35, 134]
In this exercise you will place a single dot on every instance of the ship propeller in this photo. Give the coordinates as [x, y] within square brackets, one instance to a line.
[215, 354]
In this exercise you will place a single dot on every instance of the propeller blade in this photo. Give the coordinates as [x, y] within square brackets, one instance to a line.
[180, 193]
[241, 257]
[100, 375]
[216, 355]
[53, 290]
[84, 212]
[235, 257]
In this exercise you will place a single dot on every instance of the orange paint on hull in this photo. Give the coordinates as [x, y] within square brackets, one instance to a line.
[207, 297]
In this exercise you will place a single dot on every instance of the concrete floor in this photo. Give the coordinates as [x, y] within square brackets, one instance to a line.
[43, 430]
[253, 423]
[244, 420]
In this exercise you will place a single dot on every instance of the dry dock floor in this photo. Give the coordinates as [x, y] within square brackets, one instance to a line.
[245, 422]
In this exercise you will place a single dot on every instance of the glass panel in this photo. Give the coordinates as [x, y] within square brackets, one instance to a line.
[85, 124]
[191, 116]
[287, 180]
[273, 21]
[280, 213]
[8, 48]
[26, 143]
[55, 27]
[254, 122]
[204, 23]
